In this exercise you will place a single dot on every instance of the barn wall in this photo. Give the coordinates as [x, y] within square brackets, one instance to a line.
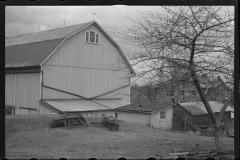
[25, 89]
[9, 89]
[53, 94]
[164, 124]
[85, 69]
[123, 93]
[98, 114]
[27, 93]
[45, 110]
[139, 118]
[28, 90]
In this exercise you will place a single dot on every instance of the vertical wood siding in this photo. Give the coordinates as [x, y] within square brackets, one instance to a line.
[98, 114]
[139, 118]
[28, 90]
[85, 69]
[179, 114]
[9, 89]
[123, 93]
[164, 124]
[53, 94]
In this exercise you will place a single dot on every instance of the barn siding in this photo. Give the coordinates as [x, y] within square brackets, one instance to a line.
[53, 94]
[139, 118]
[9, 89]
[98, 114]
[28, 90]
[164, 124]
[85, 69]
[123, 93]
[44, 110]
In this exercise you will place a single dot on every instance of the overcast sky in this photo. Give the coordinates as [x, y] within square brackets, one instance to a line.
[27, 19]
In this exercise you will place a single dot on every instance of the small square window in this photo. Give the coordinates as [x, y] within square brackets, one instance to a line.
[92, 37]
[102, 115]
[162, 114]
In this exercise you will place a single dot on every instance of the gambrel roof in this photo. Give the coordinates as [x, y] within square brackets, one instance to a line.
[35, 48]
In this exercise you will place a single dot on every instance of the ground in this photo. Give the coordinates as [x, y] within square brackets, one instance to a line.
[31, 137]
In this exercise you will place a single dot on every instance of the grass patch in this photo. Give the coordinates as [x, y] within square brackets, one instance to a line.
[31, 135]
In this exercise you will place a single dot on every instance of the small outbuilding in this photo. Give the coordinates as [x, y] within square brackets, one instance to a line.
[173, 116]
[199, 116]
[157, 115]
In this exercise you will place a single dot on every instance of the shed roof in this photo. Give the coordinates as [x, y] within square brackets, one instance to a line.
[33, 49]
[82, 105]
[146, 107]
[198, 108]
[193, 109]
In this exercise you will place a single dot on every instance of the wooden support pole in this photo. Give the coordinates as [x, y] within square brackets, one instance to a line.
[185, 124]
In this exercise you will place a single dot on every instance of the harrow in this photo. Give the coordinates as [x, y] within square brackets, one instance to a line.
[74, 120]
[68, 120]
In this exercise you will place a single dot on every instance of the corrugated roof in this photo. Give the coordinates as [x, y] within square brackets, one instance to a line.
[111, 103]
[52, 34]
[30, 54]
[198, 108]
[78, 105]
[146, 107]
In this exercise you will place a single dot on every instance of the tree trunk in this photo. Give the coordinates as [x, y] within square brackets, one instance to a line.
[217, 123]
[218, 136]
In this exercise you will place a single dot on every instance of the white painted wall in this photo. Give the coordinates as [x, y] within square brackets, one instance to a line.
[123, 93]
[85, 69]
[98, 114]
[9, 89]
[26, 91]
[139, 118]
[164, 124]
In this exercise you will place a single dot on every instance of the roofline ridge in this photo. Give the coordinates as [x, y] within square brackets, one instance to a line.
[49, 29]
[90, 23]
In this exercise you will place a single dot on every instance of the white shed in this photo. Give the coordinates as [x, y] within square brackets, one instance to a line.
[76, 68]
[157, 115]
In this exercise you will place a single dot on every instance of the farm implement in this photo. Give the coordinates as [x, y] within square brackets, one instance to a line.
[108, 122]
[75, 120]
[68, 120]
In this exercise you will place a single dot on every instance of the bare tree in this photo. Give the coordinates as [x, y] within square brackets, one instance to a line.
[145, 93]
[194, 39]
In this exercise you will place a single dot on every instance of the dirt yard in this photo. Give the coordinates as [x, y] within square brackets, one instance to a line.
[31, 137]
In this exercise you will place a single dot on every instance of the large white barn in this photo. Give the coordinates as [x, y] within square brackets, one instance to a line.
[77, 68]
